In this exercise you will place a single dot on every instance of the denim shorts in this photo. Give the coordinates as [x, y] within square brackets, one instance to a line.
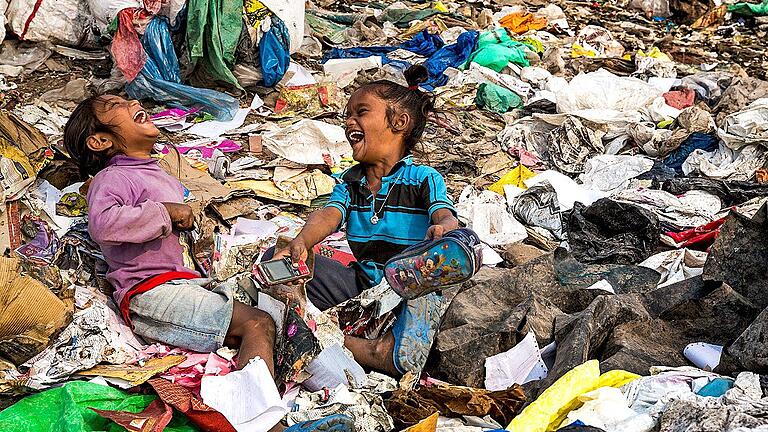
[183, 313]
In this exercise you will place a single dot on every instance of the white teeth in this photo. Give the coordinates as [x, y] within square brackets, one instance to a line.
[140, 117]
[356, 136]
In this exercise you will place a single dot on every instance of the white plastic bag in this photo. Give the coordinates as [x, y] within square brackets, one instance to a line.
[292, 14]
[603, 90]
[486, 213]
[688, 210]
[609, 173]
[306, 142]
[676, 265]
[104, 11]
[748, 126]
[63, 21]
[568, 191]
[725, 163]
[602, 408]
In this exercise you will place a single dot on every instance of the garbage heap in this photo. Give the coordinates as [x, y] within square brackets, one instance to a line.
[611, 154]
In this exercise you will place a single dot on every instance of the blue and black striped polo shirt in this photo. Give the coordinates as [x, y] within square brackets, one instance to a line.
[412, 192]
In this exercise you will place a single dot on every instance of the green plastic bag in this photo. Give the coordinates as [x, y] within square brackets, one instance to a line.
[66, 409]
[494, 98]
[213, 31]
[496, 49]
[749, 9]
[497, 36]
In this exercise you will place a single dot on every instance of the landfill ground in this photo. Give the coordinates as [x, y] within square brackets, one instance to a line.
[611, 156]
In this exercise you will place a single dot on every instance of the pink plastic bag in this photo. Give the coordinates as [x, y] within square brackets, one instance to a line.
[126, 49]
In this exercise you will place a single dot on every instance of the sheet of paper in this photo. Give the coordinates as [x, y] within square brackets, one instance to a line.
[299, 76]
[306, 142]
[283, 174]
[215, 129]
[704, 355]
[519, 365]
[248, 398]
[331, 368]
[548, 354]
[388, 302]
[253, 127]
[259, 228]
[604, 285]
[50, 196]
[568, 191]
[490, 256]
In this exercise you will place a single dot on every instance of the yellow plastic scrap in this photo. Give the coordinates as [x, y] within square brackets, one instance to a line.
[344, 163]
[515, 177]
[534, 43]
[664, 123]
[616, 378]
[555, 403]
[254, 12]
[579, 51]
[549, 411]
[522, 22]
[654, 53]
[439, 6]
[432, 25]
[429, 424]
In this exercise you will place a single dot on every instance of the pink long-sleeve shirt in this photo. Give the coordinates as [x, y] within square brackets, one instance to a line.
[126, 218]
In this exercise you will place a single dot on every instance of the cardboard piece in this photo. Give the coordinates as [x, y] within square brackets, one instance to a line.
[29, 313]
[135, 374]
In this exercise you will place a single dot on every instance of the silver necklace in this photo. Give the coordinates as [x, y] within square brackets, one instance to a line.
[375, 218]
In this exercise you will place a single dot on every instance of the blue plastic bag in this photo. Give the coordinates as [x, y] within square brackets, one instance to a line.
[273, 53]
[157, 42]
[453, 55]
[695, 141]
[441, 56]
[423, 44]
[160, 79]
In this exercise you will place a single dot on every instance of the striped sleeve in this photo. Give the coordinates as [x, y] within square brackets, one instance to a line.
[340, 200]
[435, 194]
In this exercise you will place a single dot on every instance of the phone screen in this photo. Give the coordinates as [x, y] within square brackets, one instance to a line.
[278, 269]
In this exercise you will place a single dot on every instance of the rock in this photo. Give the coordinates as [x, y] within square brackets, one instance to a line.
[498, 307]
[581, 337]
[492, 312]
[705, 415]
[739, 256]
[750, 349]
[521, 253]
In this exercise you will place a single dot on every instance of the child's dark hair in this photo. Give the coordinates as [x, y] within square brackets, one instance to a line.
[416, 103]
[82, 124]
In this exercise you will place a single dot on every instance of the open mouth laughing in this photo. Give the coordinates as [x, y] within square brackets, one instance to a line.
[355, 136]
[141, 117]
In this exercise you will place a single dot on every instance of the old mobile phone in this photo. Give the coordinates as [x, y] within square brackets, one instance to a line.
[282, 270]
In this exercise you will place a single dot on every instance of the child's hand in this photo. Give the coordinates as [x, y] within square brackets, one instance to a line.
[296, 249]
[435, 232]
[443, 221]
[181, 216]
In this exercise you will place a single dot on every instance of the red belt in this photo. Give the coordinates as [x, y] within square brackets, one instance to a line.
[147, 285]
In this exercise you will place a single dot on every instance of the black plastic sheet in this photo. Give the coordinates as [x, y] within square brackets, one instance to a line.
[610, 232]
